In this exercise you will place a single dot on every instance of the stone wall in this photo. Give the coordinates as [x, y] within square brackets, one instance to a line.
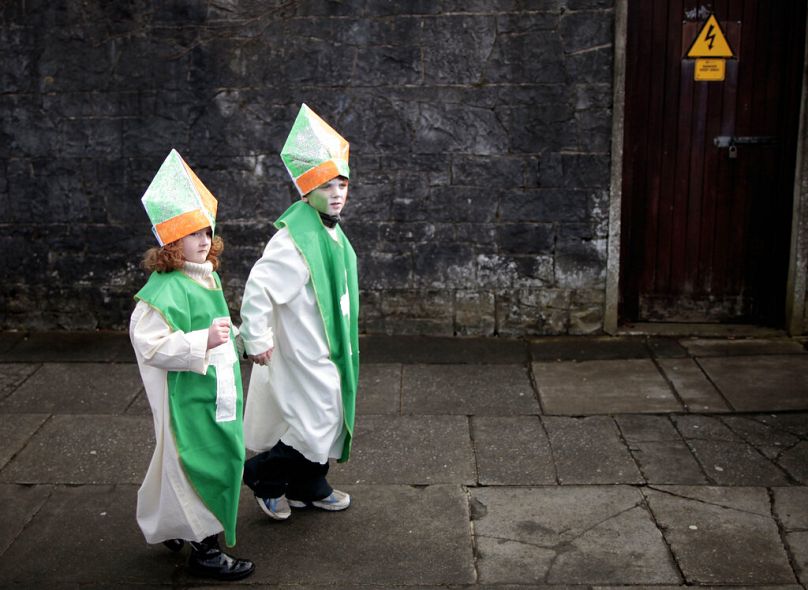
[479, 132]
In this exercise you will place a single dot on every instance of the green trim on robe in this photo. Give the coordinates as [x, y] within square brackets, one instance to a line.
[210, 452]
[332, 266]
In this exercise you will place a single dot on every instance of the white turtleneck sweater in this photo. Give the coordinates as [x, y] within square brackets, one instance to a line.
[167, 505]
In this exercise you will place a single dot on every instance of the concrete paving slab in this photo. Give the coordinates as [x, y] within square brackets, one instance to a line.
[568, 535]
[493, 390]
[798, 547]
[603, 387]
[692, 385]
[666, 347]
[415, 450]
[512, 450]
[705, 347]
[71, 347]
[768, 440]
[590, 451]
[76, 388]
[791, 507]
[442, 350]
[721, 535]
[15, 431]
[86, 534]
[391, 535]
[139, 405]
[755, 587]
[85, 449]
[642, 428]
[762, 383]
[793, 422]
[659, 450]
[379, 390]
[726, 458]
[14, 374]
[18, 504]
[575, 348]
[668, 462]
[795, 462]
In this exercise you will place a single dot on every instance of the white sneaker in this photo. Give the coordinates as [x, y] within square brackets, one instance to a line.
[277, 508]
[336, 500]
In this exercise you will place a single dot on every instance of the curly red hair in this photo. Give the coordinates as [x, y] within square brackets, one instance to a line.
[169, 257]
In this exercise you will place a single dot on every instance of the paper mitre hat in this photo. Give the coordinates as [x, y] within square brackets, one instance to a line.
[314, 153]
[177, 202]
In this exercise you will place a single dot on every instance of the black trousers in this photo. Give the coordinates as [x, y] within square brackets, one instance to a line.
[283, 470]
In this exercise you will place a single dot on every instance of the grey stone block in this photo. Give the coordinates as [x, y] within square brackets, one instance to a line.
[467, 390]
[543, 205]
[391, 536]
[761, 383]
[566, 535]
[512, 451]
[379, 390]
[525, 238]
[414, 450]
[692, 385]
[721, 535]
[590, 451]
[507, 63]
[92, 450]
[78, 388]
[603, 387]
[98, 521]
[15, 431]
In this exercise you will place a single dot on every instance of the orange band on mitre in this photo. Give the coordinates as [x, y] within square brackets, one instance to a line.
[311, 179]
[182, 225]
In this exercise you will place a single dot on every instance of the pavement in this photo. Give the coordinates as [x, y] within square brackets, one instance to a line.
[601, 463]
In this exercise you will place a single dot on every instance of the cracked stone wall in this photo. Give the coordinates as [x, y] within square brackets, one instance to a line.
[479, 132]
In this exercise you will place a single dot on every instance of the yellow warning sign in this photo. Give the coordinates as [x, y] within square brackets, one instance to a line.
[710, 70]
[711, 41]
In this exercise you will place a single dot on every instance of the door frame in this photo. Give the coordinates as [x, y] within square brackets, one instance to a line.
[798, 257]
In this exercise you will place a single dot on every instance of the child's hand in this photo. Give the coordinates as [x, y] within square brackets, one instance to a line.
[219, 332]
[261, 359]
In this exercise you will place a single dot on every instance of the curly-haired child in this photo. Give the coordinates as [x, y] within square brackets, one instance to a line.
[181, 333]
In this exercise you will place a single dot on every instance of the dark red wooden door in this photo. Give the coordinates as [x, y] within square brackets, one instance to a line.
[705, 233]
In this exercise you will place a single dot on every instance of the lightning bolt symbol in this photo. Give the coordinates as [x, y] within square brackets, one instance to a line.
[710, 37]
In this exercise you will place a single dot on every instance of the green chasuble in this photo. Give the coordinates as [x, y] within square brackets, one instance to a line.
[332, 266]
[211, 452]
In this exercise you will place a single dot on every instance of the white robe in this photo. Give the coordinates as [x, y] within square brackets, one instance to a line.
[167, 505]
[296, 398]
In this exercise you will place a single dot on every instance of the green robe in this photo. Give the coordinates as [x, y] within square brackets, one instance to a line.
[332, 266]
[210, 452]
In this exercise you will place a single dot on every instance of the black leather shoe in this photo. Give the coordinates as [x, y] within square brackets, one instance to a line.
[174, 545]
[208, 561]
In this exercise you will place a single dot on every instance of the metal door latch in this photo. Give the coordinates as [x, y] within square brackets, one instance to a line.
[732, 142]
[727, 141]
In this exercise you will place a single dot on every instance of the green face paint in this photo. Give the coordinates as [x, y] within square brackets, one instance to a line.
[319, 201]
[329, 198]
